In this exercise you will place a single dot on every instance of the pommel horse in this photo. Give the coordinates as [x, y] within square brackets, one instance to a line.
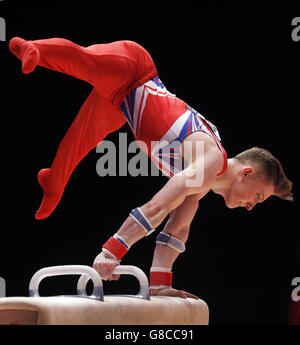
[97, 309]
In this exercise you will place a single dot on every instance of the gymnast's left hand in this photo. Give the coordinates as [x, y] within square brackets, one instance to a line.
[172, 292]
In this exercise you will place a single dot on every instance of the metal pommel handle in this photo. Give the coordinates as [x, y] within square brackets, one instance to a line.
[86, 272]
[124, 269]
[140, 275]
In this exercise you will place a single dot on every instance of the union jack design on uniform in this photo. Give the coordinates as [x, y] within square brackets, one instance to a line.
[133, 106]
[161, 120]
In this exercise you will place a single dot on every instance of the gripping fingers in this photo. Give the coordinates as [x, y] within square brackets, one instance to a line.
[105, 267]
[114, 277]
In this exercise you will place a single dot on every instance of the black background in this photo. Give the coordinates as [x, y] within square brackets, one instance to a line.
[236, 64]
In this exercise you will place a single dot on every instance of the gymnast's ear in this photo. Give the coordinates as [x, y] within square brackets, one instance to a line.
[247, 171]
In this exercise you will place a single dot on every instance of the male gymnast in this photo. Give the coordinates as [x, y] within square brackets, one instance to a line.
[126, 87]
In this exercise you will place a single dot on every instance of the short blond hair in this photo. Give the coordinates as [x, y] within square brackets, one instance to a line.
[270, 168]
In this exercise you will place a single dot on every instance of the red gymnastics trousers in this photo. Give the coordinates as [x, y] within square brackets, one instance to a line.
[113, 69]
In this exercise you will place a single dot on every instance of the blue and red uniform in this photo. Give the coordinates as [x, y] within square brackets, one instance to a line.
[162, 121]
[126, 87]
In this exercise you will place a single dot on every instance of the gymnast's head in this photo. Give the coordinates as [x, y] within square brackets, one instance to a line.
[253, 176]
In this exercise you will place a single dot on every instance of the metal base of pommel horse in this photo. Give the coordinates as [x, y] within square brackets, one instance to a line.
[97, 309]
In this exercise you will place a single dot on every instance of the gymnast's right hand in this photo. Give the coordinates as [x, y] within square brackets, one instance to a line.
[105, 266]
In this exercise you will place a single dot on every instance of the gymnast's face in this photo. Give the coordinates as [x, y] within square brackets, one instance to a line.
[248, 190]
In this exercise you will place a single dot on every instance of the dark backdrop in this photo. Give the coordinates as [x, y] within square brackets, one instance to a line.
[238, 66]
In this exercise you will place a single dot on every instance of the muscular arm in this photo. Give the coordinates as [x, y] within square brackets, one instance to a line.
[179, 188]
[156, 210]
[178, 225]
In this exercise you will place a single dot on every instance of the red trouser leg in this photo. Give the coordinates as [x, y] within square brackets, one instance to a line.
[113, 69]
[95, 120]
